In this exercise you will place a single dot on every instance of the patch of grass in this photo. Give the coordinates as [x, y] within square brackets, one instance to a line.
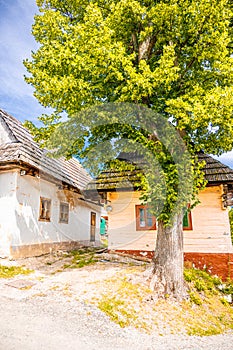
[81, 258]
[11, 271]
[195, 298]
[124, 303]
[118, 310]
[202, 280]
[227, 288]
[224, 301]
[211, 318]
[213, 314]
[83, 251]
[133, 304]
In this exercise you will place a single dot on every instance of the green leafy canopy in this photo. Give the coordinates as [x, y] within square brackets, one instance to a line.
[173, 57]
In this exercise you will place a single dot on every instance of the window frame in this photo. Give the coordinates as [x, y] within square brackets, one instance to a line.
[189, 218]
[61, 212]
[45, 218]
[146, 227]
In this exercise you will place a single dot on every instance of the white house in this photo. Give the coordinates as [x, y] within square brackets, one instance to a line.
[42, 205]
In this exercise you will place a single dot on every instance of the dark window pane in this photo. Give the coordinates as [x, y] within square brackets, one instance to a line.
[142, 217]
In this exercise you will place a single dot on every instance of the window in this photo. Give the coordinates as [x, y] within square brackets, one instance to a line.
[187, 221]
[144, 219]
[64, 213]
[45, 209]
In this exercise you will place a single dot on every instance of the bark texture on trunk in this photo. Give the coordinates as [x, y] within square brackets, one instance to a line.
[168, 262]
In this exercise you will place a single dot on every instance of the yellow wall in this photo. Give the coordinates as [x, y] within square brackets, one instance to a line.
[211, 229]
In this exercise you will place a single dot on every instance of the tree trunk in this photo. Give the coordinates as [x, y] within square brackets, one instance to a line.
[168, 262]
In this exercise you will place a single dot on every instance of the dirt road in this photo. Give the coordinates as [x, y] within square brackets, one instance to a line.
[46, 311]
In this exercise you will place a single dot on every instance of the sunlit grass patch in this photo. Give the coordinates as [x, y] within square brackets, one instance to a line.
[210, 318]
[202, 280]
[123, 301]
[11, 271]
[81, 258]
[118, 310]
[206, 312]
[209, 311]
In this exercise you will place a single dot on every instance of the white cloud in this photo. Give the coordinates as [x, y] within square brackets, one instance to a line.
[226, 158]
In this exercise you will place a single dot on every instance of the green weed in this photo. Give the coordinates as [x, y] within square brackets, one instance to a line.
[205, 313]
[81, 258]
[118, 310]
[11, 271]
[195, 298]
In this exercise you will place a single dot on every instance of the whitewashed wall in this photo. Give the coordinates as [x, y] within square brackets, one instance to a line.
[20, 204]
[211, 229]
[8, 224]
[29, 191]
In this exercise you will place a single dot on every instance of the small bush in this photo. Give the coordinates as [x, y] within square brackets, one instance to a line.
[202, 280]
[200, 285]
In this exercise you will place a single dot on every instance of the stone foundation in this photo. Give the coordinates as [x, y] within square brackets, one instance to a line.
[220, 264]
[26, 251]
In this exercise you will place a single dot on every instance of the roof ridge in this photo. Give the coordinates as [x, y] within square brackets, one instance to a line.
[215, 161]
[29, 152]
[6, 125]
[19, 132]
[215, 171]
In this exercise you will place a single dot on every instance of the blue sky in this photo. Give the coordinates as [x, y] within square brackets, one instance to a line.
[16, 44]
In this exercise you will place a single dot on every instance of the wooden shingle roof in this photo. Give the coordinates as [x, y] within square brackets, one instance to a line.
[20, 148]
[215, 173]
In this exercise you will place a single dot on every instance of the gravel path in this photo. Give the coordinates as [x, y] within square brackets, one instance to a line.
[48, 316]
[38, 323]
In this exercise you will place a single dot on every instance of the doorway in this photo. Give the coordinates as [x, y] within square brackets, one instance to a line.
[93, 226]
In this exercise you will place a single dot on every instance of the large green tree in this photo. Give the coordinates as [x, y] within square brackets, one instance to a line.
[172, 57]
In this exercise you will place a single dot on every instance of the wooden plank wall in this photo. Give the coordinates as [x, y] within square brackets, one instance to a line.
[211, 230]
